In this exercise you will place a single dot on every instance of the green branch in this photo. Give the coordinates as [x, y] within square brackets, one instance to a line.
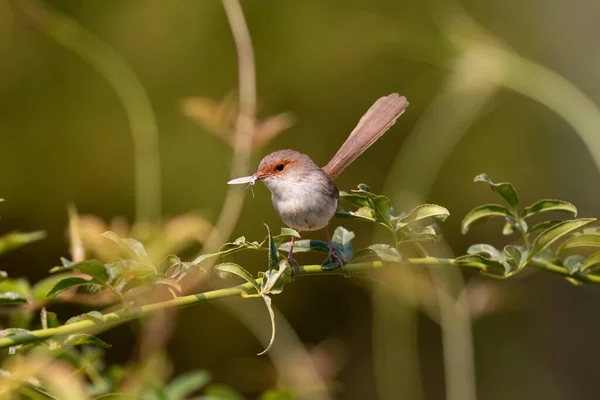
[110, 320]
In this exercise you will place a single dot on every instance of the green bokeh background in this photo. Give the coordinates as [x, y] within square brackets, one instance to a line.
[64, 137]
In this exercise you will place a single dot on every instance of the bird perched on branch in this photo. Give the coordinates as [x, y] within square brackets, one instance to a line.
[304, 195]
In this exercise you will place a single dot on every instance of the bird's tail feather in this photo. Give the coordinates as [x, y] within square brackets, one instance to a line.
[376, 121]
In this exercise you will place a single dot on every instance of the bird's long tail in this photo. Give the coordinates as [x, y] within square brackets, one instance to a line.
[376, 121]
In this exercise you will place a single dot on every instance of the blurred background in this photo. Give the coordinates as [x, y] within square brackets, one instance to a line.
[504, 87]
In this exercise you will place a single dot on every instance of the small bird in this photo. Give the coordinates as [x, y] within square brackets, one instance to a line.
[303, 194]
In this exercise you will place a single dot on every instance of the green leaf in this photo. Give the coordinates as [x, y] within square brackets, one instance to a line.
[267, 300]
[481, 212]
[379, 207]
[273, 253]
[227, 270]
[363, 213]
[285, 235]
[12, 298]
[582, 240]
[504, 189]
[93, 268]
[421, 214]
[131, 246]
[67, 283]
[428, 234]
[384, 252]
[184, 385]
[343, 239]
[78, 339]
[542, 226]
[509, 227]
[305, 245]
[551, 235]
[591, 264]
[573, 263]
[14, 240]
[549, 205]
[41, 288]
[274, 279]
[482, 263]
[168, 264]
[227, 249]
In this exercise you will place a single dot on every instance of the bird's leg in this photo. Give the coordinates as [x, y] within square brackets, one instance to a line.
[334, 253]
[292, 260]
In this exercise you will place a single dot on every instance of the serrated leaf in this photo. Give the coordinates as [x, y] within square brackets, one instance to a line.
[227, 270]
[559, 231]
[481, 212]
[14, 240]
[78, 339]
[549, 205]
[274, 279]
[67, 283]
[542, 226]
[131, 246]
[422, 214]
[12, 298]
[591, 264]
[384, 252]
[267, 300]
[185, 384]
[583, 240]
[380, 206]
[93, 268]
[573, 263]
[504, 189]
[273, 252]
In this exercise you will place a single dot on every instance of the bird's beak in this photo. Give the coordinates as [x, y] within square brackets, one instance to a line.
[245, 179]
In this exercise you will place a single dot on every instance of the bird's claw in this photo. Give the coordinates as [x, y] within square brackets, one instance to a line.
[338, 257]
[294, 264]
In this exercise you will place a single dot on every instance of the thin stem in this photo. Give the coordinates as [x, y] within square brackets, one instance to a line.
[123, 315]
[234, 200]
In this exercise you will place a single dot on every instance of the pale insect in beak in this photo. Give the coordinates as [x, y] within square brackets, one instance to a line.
[250, 180]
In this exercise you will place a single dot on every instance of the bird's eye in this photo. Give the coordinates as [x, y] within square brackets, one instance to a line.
[280, 167]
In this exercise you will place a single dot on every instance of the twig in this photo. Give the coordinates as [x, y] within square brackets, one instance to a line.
[114, 318]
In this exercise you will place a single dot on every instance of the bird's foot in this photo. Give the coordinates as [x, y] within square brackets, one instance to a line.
[334, 254]
[294, 264]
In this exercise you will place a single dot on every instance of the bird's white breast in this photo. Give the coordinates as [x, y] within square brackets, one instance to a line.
[300, 206]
